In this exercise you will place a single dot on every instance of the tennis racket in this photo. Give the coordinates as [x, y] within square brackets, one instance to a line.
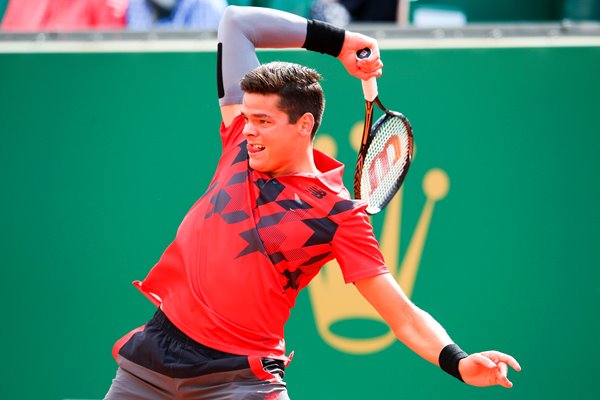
[385, 151]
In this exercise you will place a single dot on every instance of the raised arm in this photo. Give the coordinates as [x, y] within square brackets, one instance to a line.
[244, 29]
[426, 337]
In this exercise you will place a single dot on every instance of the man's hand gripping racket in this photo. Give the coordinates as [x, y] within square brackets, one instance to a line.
[385, 151]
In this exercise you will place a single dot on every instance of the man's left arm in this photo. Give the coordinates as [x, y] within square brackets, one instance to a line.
[425, 336]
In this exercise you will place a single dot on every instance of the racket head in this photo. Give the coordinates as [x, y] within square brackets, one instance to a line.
[387, 156]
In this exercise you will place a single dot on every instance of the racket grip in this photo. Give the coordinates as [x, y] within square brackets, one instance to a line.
[370, 89]
[369, 86]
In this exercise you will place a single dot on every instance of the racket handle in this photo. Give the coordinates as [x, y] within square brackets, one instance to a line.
[369, 86]
[370, 89]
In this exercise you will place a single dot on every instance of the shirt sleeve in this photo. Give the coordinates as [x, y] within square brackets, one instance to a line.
[244, 29]
[356, 248]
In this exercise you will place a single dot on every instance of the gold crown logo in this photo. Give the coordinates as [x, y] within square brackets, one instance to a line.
[334, 302]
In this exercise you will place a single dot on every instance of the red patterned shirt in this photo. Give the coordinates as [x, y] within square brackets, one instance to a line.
[251, 243]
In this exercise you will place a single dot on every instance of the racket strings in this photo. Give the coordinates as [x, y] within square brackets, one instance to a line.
[386, 161]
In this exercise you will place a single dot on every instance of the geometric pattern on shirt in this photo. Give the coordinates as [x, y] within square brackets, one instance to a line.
[269, 190]
[342, 206]
[222, 200]
[242, 154]
[279, 213]
[292, 278]
[296, 213]
[323, 230]
[255, 244]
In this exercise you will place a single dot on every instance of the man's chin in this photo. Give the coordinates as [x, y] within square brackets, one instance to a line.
[257, 166]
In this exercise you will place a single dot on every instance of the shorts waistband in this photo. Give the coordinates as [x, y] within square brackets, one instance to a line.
[161, 321]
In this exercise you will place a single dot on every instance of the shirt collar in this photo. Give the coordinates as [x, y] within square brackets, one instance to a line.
[332, 171]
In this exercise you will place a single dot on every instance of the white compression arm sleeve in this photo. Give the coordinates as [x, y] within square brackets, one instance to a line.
[241, 31]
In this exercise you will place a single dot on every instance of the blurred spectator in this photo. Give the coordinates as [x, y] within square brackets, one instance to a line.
[197, 14]
[330, 11]
[372, 10]
[64, 15]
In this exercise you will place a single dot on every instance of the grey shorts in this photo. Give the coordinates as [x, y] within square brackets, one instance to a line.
[161, 362]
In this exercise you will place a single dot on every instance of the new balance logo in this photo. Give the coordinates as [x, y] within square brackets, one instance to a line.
[316, 192]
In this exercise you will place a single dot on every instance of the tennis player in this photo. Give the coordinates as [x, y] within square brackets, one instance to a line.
[275, 212]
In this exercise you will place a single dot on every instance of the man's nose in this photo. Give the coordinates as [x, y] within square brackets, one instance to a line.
[249, 130]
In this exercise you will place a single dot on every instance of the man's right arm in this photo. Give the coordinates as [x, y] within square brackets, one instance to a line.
[243, 29]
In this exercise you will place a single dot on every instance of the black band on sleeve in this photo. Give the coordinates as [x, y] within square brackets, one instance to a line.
[220, 87]
[324, 38]
[449, 358]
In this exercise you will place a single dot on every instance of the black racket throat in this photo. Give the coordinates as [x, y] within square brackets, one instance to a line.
[385, 110]
[367, 129]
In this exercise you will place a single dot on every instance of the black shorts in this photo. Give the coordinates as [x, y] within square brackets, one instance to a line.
[161, 362]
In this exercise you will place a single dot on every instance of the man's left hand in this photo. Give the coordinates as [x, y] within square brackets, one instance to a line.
[487, 368]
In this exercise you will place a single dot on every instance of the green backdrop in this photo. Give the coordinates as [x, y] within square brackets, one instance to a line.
[102, 154]
[506, 10]
[3, 4]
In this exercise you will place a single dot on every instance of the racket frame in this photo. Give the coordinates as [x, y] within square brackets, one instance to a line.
[369, 132]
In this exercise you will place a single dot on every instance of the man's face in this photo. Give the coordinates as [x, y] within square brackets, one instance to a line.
[275, 146]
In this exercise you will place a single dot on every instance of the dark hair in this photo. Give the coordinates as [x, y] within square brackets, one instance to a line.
[297, 86]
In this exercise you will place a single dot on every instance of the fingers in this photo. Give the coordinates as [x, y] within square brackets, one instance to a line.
[498, 357]
[503, 368]
[501, 362]
[371, 66]
[492, 370]
[481, 359]
[501, 376]
[361, 68]
[512, 362]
